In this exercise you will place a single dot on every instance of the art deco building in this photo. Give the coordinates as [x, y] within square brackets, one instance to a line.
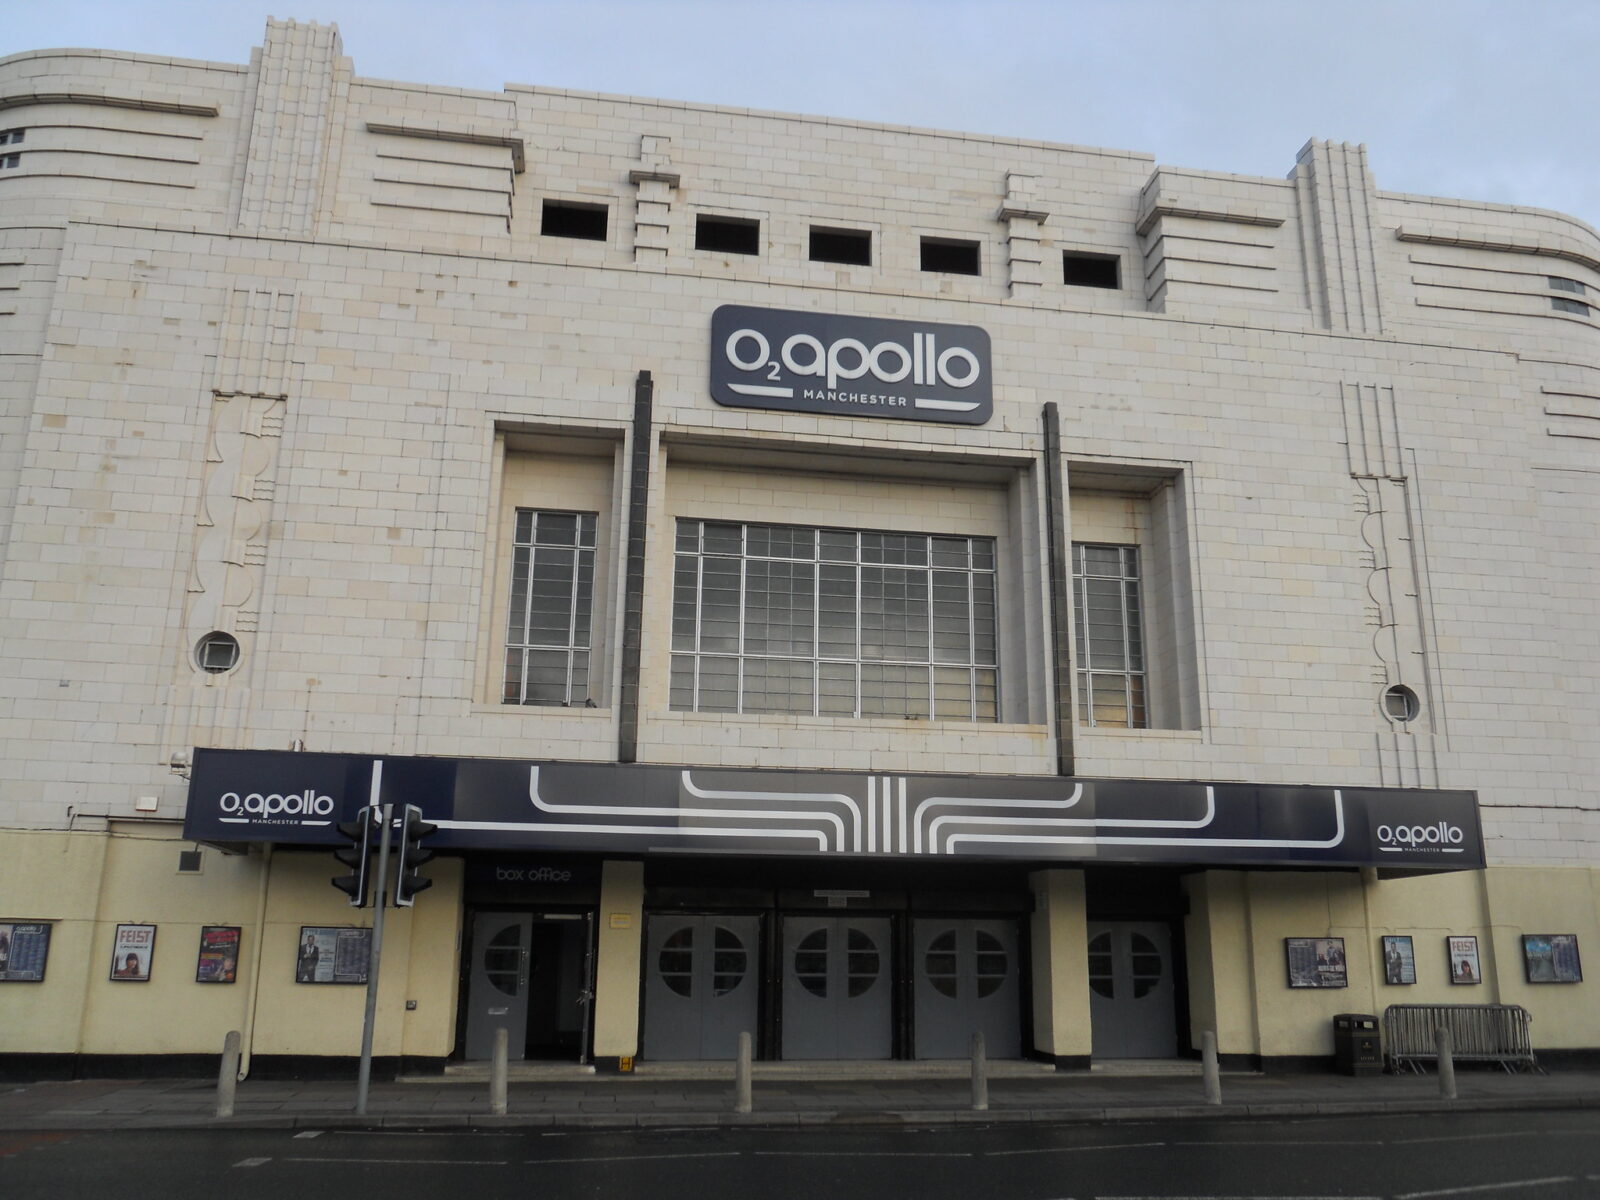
[855, 584]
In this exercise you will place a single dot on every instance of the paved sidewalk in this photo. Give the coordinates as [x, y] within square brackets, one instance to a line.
[621, 1102]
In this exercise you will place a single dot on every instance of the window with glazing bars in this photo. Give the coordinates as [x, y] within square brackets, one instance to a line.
[833, 622]
[1108, 618]
[552, 595]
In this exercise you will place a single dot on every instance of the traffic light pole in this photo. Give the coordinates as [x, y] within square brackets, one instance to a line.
[385, 819]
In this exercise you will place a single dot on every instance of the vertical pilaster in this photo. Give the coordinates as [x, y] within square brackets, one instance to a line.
[1024, 218]
[616, 973]
[300, 82]
[1060, 948]
[655, 182]
[1333, 193]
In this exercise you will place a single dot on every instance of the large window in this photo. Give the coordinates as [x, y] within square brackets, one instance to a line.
[552, 594]
[1110, 635]
[833, 622]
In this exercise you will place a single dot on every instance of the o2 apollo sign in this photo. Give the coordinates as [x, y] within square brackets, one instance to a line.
[851, 366]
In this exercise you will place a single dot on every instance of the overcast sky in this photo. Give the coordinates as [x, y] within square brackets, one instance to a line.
[1477, 99]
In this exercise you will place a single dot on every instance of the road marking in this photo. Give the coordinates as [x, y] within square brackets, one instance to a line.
[1473, 1137]
[636, 1157]
[408, 1162]
[309, 1133]
[251, 1162]
[1485, 1187]
[1073, 1149]
[1312, 1142]
[862, 1153]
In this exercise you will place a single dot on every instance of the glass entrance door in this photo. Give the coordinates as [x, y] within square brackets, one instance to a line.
[1132, 994]
[701, 987]
[968, 981]
[497, 983]
[837, 985]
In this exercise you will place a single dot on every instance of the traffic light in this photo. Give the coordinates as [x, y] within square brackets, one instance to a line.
[407, 883]
[355, 856]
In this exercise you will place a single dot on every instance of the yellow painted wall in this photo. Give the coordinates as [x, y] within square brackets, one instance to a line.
[617, 961]
[1533, 900]
[50, 877]
[88, 882]
[1060, 950]
[1221, 978]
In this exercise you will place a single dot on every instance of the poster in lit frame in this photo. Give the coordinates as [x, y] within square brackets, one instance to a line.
[1551, 958]
[1399, 959]
[332, 954]
[1316, 962]
[218, 958]
[1464, 966]
[132, 953]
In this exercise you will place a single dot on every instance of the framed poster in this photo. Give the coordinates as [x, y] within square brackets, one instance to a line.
[24, 948]
[1315, 962]
[1464, 960]
[1551, 958]
[218, 960]
[131, 956]
[332, 954]
[1399, 960]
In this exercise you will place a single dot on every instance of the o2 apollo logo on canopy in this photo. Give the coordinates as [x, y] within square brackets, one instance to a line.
[852, 366]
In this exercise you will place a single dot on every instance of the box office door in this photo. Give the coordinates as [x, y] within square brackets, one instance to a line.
[837, 983]
[701, 985]
[1132, 994]
[497, 983]
[968, 980]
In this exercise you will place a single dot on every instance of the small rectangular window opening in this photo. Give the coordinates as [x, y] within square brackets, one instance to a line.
[563, 218]
[1576, 307]
[1565, 285]
[850, 246]
[1091, 270]
[952, 256]
[10, 137]
[727, 235]
[10, 160]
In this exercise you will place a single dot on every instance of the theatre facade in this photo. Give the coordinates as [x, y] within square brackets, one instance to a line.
[855, 585]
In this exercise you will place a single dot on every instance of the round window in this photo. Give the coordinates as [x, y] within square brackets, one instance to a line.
[675, 964]
[1400, 703]
[811, 962]
[216, 653]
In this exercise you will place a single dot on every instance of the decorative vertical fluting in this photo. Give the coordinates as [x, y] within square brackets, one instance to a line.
[1333, 194]
[248, 401]
[1397, 613]
[1024, 217]
[300, 78]
[654, 181]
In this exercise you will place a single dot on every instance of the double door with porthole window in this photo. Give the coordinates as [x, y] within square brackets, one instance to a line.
[839, 986]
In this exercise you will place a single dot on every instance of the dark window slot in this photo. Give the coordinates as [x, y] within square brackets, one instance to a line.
[727, 235]
[852, 247]
[1091, 270]
[952, 256]
[563, 219]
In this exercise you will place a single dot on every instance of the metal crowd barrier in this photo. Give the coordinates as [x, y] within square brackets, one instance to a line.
[1495, 1033]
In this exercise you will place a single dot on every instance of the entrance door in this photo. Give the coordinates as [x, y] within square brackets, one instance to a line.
[701, 988]
[836, 988]
[1132, 993]
[497, 983]
[968, 981]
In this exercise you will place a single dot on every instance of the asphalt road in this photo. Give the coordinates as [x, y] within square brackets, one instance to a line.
[1484, 1156]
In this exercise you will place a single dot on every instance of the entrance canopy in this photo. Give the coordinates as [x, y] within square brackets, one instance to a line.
[618, 808]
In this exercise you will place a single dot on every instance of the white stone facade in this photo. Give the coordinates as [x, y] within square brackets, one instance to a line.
[282, 348]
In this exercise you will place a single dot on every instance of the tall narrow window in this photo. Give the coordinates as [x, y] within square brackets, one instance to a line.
[833, 622]
[552, 595]
[1108, 618]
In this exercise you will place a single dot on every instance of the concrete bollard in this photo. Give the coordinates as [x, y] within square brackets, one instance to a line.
[228, 1074]
[497, 1072]
[980, 1075]
[1211, 1073]
[1447, 1063]
[743, 1100]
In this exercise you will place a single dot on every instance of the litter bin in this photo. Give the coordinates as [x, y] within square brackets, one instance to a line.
[1357, 1044]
